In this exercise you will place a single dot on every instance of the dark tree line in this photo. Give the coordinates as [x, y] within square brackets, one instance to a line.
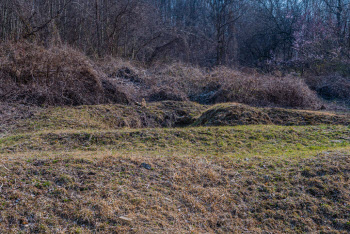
[204, 32]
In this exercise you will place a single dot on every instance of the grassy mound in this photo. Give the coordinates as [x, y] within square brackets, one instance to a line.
[161, 114]
[84, 170]
[21, 118]
[231, 114]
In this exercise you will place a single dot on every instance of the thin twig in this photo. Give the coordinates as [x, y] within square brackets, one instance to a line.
[5, 167]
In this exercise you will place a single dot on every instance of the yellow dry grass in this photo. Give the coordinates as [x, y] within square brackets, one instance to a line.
[74, 170]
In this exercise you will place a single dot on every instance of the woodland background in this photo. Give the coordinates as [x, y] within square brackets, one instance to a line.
[204, 32]
[305, 39]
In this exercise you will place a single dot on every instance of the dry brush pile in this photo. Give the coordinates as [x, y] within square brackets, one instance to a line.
[331, 87]
[221, 84]
[33, 74]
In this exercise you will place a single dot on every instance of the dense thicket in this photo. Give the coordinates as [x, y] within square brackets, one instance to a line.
[298, 33]
[32, 74]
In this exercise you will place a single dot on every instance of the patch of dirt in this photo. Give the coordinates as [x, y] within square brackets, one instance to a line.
[128, 74]
[166, 93]
[331, 87]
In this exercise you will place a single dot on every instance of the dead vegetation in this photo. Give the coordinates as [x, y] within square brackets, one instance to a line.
[262, 90]
[226, 85]
[154, 115]
[32, 74]
[10, 114]
[60, 172]
[20, 118]
[331, 87]
[175, 194]
[57, 76]
[231, 114]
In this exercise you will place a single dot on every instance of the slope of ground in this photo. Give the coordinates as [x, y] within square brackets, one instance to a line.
[235, 141]
[20, 118]
[106, 192]
[231, 114]
[160, 114]
[102, 169]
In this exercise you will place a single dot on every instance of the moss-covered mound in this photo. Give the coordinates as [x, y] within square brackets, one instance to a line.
[156, 115]
[153, 115]
[231, 114]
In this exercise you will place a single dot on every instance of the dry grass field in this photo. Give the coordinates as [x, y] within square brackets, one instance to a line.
[174, 167]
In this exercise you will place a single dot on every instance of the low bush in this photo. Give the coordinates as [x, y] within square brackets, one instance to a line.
[262, 90]
[227, 85]
[32, 74]
[331, 87]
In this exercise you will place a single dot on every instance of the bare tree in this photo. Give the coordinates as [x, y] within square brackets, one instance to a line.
[204, 32]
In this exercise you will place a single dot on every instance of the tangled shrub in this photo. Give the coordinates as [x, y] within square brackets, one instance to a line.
[56, 76]
[166, 93]
[178, 76]
[331, 87]
[223, 84]
[63, 76]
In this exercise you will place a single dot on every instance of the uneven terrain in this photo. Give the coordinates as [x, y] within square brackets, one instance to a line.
[173, 167]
